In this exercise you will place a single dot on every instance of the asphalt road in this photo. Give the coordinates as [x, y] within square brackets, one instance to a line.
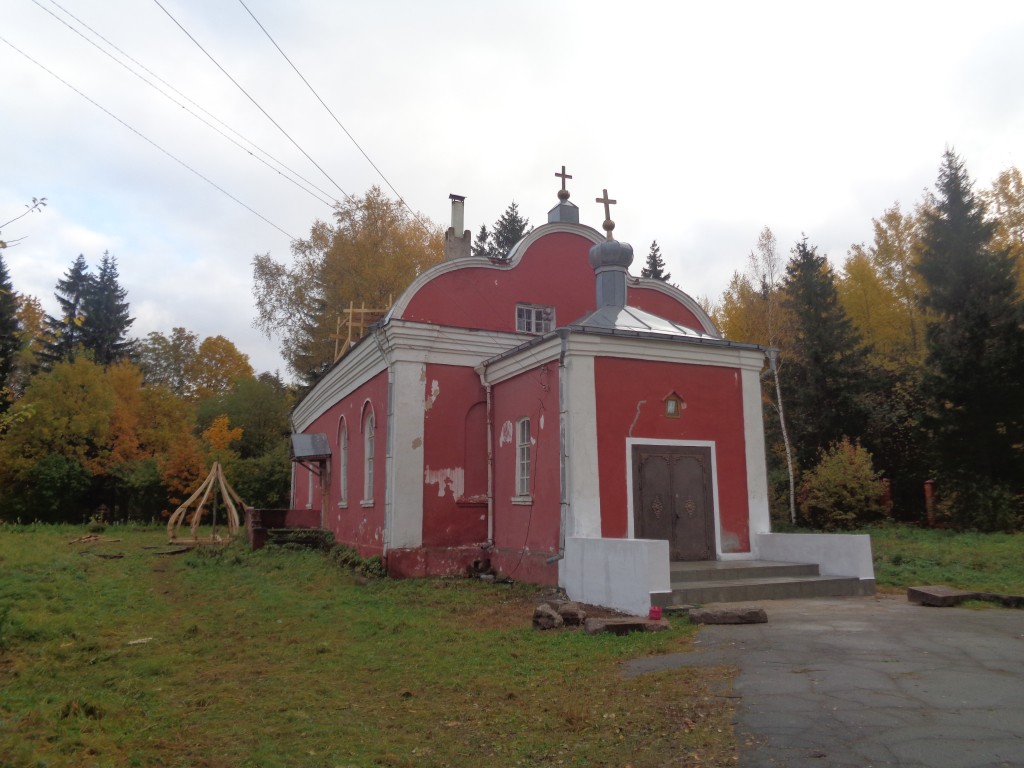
[871, 681]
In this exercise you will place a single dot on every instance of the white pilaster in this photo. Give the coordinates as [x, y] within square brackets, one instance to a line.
[584, 491]
[405, 458]
[757, 470]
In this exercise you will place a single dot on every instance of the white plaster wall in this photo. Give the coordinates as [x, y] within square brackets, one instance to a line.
[757, 466]
[405, 474]
[615, 573]
[583, 492]
[836, 554]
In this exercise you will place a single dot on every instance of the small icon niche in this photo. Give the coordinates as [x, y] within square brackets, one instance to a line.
[674, 405]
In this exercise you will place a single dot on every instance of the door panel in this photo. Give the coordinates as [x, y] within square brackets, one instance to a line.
[672, 499]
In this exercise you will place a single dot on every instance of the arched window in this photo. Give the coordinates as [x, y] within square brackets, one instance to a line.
[368, 430]
[342, 462]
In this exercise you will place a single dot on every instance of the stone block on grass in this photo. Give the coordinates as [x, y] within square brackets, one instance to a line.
[743, 614]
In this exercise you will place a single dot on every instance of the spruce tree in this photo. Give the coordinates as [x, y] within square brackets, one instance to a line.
[481, 245]
[507, 231]
[106, 324]
[10, 343]
[975, 343]
[825, 373]
[64, 333]
[655, 266]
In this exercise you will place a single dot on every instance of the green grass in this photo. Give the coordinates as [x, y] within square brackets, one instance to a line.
[983, 562]
[278, 658]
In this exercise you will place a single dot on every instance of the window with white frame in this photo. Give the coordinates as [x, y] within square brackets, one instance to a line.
[368, 429]
[534, 318]
[343, 463]
[523, 449]
[309, 488]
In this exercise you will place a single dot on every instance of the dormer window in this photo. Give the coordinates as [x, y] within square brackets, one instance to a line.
[674, 405]
[534, 318]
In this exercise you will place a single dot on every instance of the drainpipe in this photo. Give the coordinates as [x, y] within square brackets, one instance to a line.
[481, 372]
[291, 482]
[563, 439]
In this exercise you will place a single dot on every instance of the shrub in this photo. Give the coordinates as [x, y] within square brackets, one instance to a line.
[967, 505]
[374, 568]
[843, 491]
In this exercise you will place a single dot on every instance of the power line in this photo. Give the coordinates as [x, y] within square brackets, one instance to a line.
[256, 103]
[326, 202]
[343, 128]
[145, 138]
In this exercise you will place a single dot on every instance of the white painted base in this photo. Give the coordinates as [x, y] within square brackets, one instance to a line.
[615, 573]
[837, 554]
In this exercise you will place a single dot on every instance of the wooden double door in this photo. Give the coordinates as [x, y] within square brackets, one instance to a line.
[673, 500]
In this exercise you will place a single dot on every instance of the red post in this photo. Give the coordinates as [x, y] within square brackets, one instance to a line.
[929, 502]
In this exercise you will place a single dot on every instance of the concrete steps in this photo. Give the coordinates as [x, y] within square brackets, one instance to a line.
[732, 581]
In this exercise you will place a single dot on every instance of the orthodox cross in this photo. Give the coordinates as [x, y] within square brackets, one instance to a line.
[608, 225]
[563, 193]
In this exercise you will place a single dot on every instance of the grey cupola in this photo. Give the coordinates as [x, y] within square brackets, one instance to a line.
[610, 261]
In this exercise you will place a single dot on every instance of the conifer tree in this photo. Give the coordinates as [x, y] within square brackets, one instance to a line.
[506, 232]
[826, 375]
[64, 333]
[106, 324]
[655, 266]
[975, 344]
[481, 245]
[10, 341]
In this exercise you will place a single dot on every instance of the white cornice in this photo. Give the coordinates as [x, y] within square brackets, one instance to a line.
[360, 365]
[671, 350]
[410, 341]
[529, 357]
[400, 341]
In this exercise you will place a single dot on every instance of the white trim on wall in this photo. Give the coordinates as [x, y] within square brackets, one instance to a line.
[405, 470]
[583, 488]
[757, 463]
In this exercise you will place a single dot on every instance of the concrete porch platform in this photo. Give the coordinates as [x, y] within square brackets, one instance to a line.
[730, 581]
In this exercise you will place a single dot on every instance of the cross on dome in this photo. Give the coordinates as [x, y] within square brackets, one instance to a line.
[563, 193]
[608, 225]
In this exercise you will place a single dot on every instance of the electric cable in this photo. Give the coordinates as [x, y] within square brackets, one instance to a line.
[336, 120]
[146, 138]
[256, 103]
[190, 101]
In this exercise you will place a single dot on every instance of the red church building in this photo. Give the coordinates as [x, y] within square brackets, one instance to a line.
[548, 413]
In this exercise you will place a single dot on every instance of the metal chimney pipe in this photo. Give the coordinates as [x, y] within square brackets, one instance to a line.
[458, 213]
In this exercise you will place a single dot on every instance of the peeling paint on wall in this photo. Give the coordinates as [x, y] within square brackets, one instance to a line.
[417, 443]
[506, 434]
[636, 418]
[730, 542]
[542, 421]
[435, 390]
[446, 480]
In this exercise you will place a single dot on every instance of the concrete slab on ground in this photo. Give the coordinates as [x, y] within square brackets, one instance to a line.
[871, 681]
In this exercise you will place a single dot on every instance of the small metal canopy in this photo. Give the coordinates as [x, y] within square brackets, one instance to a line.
[311, 450]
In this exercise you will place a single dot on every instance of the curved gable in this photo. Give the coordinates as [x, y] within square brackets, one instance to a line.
[548, 267]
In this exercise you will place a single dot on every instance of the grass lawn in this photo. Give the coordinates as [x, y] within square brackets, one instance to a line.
[278, 658]
[982, 562]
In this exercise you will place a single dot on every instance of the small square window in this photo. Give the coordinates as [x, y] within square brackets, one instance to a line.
[534, 318]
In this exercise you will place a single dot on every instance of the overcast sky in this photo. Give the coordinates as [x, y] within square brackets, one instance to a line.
[705, 121]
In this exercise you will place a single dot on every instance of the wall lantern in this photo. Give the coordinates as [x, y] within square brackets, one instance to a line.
[674, 405]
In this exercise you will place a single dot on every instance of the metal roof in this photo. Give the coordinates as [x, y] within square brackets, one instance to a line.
[633, 320]
[310, 447]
